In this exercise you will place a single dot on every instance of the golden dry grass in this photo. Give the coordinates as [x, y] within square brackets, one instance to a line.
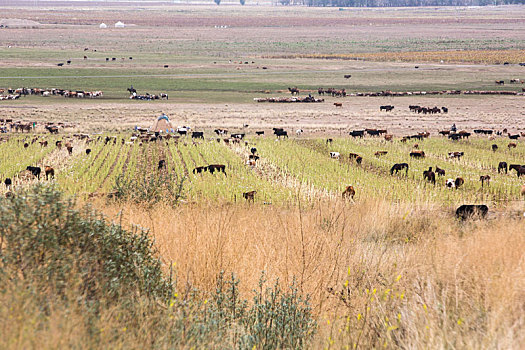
[378, 273]
[453, 56]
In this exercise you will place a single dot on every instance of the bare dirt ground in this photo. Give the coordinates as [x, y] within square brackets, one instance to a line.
[496, 112]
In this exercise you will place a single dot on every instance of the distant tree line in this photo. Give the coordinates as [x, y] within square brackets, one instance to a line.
[399, 3]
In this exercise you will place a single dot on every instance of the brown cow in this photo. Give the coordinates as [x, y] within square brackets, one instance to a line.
[511, 145]
[429, 175]
[494, 148]
[59, 144]
[249, 196]
[388, 137]
[49, 172]
[459, 182]
[69, 149]
[216, 167]
[349, 192]
[380, 153]
[338, 104]
[417, 154]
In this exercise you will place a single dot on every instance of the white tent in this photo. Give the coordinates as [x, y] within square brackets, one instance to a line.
[119, 24]
[102, 26]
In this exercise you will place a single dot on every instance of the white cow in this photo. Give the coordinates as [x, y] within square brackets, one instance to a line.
[335, 155]
[451, 183]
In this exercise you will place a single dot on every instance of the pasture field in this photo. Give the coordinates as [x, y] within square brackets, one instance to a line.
[289, 169]
[300, 267]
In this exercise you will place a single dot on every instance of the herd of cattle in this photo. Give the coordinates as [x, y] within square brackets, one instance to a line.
[143, 135]
[14, 94]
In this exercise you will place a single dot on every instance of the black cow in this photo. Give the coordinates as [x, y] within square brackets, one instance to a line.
[259, 133]
[162, 164]
[357, 133]
[35, 171]
[253, 150]
[8, 182]
[398, 167]
[197, 135]
[467, 211]
[502, 166]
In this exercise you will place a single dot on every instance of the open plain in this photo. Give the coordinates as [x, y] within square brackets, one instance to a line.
[281, 224]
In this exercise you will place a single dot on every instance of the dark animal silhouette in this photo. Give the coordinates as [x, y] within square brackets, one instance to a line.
[494, 148]
[88, 151]
[8, 182]
[440, 172]
[483, 179]
[417, 154]
[348, 193]
[35, 171]
[199, 169]
[429, 175]
[502, 166]
[459, 182]
[467, 211]
[398, 167]
[216, 167]
[197, 135]
[249, 196]
[162, 164]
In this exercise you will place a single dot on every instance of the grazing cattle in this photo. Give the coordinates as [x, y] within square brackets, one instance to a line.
[253, 157]
[467, 211]
[49, 171]
[417, 154]
[199, 169]
[281, 133]
[514, 167]
[26, 145]
[216, 167]
[237, 136]
[294, 90]
[494, 148]
[338, 104]
[357, 133]
[52, 129]
[515, 81]
[162, 164]
[353, 156]
[450, 183]
[253, 150]
[380, 153]
[334, 155]
[298, 132]
[511, 145]
[459, 182]
[444, 109]
[60, 64]
[43, 143]
[440, 172]
[387, 108]
[500, 82]
[520, 170]
[69, 149]
[502, 166]
[249, 196]
[197, 135]
[259, 133]
[444, 132]
[220, 132]
[88, 151]
[347, 76]
[8, 182]
[416, 145]
[388, 137]
[35, 171]
[457, 155]
[58, 144]
[429, 175]
[514, 137]
[329, 141]
[348, 193]
[398, 167]
[483, 179]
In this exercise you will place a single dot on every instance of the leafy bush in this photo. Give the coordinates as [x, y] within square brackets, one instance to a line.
[149, 190]
[69, 270]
